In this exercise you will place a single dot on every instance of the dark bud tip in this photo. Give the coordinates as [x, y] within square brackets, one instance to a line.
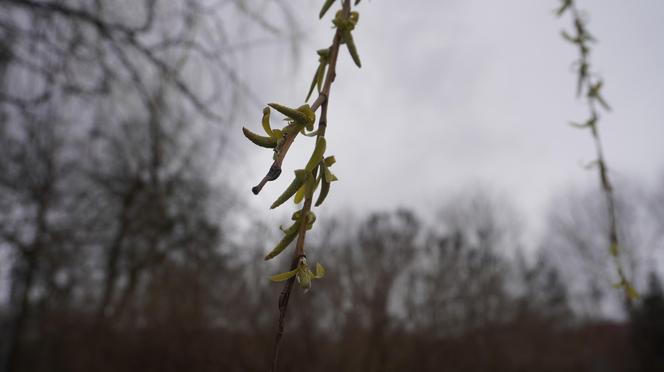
[273, 173]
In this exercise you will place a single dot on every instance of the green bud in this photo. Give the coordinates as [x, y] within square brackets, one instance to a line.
[304, 275]
[283, 276]
[354, 17]
[324, 190]
[350, 44]
[311, 218]
[324, 9]
[304, 279]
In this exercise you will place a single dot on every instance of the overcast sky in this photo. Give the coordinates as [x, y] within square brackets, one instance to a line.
[460, 93]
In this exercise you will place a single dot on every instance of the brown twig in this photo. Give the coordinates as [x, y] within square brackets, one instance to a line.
[283, 306]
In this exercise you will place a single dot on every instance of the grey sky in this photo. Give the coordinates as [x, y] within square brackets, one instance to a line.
[458, 93]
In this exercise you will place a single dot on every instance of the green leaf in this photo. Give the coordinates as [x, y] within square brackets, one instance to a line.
[291, 113]
[352, 49]
[261, 141]
[578, 125]
[299, 195]
[320, 77]
[283, 276]
[329, 177]
[316, 155]
[313, 82]
[631, 292]
[292, 228]
[298, 181]
[330, 160]
[325, 184]
[320, 271]
[602, 102]
[309, 187]
[563, 7]
[324, 9]
[614, 250]
[283, 243]
[324, 190]
[568, 37]
[302, 116]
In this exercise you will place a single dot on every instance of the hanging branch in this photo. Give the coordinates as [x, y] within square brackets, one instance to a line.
[316, 172]
[589, 85]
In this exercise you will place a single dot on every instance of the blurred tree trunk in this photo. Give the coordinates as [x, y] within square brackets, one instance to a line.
[24, 271]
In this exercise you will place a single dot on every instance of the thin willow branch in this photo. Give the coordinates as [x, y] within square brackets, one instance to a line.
[589, 84]
[322, 102]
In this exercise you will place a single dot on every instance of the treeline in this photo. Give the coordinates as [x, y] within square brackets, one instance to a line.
[123, 252]
[121, 263]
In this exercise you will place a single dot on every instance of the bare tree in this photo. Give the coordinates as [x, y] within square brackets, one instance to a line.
[109, 120]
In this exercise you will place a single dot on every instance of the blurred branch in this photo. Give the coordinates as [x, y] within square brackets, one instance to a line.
[70, 35]
[589, 85]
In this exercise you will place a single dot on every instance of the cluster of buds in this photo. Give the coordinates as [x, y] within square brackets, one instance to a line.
[307, 180]
[316, 174]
